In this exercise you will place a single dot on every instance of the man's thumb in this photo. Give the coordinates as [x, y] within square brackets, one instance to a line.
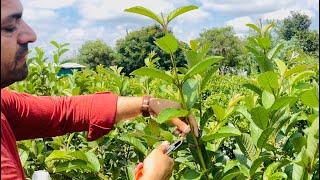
[164, 146]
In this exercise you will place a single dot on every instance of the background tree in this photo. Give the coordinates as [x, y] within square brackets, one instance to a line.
[297, 27]
[224, 42]
[294, 25]
[136, 46]
[93, 53]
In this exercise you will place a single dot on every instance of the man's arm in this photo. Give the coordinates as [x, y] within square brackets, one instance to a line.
[43, 116]
[48, 116]
[128, 107]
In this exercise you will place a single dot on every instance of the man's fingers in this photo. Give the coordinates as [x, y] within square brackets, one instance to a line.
[181, 126]
[184, 128]
[164, 147]
[139, 166]
[194, 124]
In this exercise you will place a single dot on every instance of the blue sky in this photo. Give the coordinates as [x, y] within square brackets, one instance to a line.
[76, 21]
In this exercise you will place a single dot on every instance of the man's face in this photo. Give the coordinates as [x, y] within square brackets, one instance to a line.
[15, 36]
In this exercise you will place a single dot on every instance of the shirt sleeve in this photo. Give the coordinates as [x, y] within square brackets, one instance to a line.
[48, 116]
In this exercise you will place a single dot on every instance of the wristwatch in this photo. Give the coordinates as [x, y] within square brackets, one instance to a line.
[145, 110]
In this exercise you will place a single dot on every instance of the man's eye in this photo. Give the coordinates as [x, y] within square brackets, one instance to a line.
[9, 29]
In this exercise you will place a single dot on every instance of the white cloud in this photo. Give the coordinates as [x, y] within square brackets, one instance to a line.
[105, 10]
[244, 7]
[194, 16]
[106, 19]
[48, 4]
[313, 4]
[283, 13]
[31, 14]
[186, 35]
[239, 24]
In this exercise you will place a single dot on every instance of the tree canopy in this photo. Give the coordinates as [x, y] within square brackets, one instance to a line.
[223, 42]
[96, 52]
[136, 46]
[297, 26]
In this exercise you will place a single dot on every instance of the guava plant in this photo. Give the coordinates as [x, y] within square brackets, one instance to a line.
[274, 148]
[190, 82]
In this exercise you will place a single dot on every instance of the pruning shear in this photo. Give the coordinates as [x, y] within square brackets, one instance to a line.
[171, 148]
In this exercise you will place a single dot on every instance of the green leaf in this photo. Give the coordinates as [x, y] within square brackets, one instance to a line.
[219, 112]
[207, 76]
[281, 66]
[192, 57]
[272, 168]
[63, 51]
[231, 176]
[145, 12]
[312, 141]
[246, 145]
[310, 98]
[235, 99]
[190, 92]
[264, 137]
[56, 58]
[269, 81]
[257, 163]
[266, 29]
[298, 172]
[152, 128]
[264, 42]
[298, 141]
[180, 11]
[293, 120]
[169, 113]
[136, 143]
[279, 122]
[93, 160]
[190, 174]
[244, 170]
[267, 99]
[194, 44]
[58, 155]
[275, 50]
[64, 45]
[23, 154]
[253, 88]
[202, 66]
[278, 176]
[260, 117]
[282, 102]
[295, 69]
[153, 73]
[168, 136]
[302, 159]
[223, 132]
[169, 44]
[253, 50]
[264, 64]
[229, 165]
[55, 44]
[301, 76]
[254, 27]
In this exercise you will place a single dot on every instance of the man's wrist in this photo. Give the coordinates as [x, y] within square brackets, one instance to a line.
[145, 106]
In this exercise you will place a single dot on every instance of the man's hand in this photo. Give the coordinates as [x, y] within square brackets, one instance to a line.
[157, 165]
[157, 105]
[129, 107]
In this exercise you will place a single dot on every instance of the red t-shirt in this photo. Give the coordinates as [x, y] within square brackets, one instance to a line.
[24, 116]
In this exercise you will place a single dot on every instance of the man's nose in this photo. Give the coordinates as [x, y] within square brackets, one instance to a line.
[27, 35]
